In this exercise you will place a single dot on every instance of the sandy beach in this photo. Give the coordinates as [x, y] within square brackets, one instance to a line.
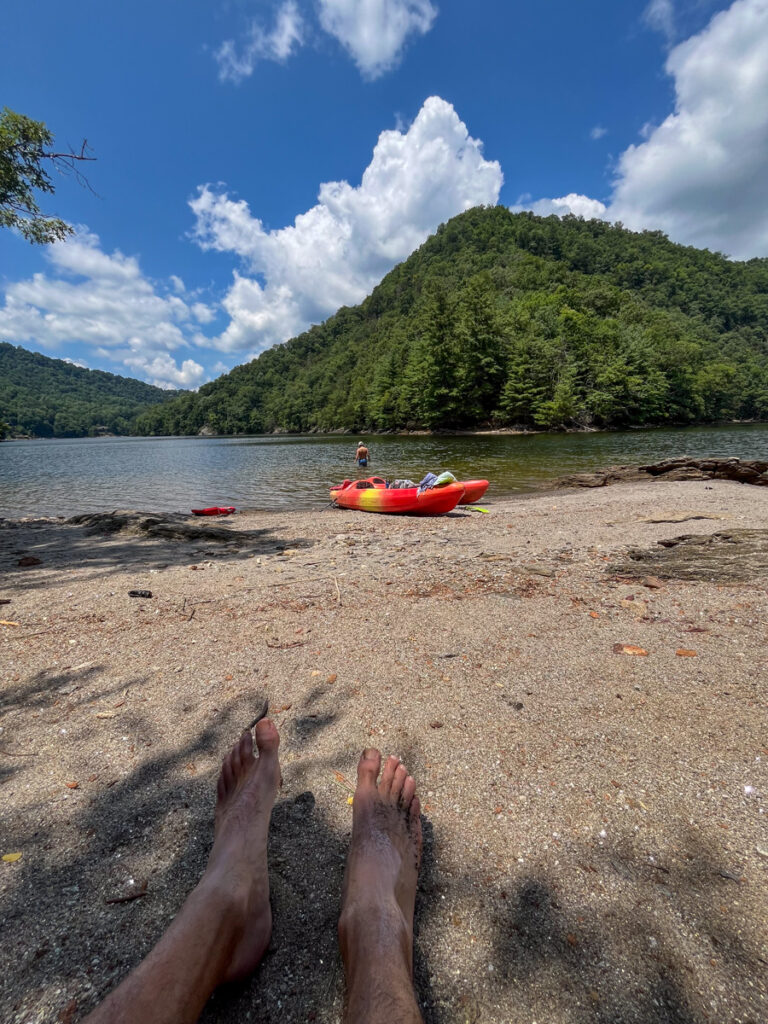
[589, 740]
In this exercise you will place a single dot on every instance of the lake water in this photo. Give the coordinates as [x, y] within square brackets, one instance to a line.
[177, 474]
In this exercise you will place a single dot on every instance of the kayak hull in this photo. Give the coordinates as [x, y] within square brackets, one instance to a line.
[373, 497]
[473, 491]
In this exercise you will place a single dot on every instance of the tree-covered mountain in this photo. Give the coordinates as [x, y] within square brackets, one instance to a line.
[513, 319]
[52, 398]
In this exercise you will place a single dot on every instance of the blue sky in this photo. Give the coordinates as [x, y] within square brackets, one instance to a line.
[245, 188]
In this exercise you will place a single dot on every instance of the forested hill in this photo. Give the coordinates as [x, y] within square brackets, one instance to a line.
[512, 319]
[52, 398]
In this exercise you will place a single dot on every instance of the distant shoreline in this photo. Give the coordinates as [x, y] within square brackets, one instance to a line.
[486, 432]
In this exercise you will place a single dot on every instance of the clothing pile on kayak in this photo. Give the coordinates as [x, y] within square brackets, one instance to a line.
[432, 480]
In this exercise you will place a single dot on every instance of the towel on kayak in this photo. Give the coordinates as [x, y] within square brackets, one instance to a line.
[443, 479]
[401, 485]
[429, 481]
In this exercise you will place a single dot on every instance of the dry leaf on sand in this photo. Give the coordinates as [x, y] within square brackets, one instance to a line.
[630, 649]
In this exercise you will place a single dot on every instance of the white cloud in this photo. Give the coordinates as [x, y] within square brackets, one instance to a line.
[598, 132]
[103, 301]
[581, 206]
[374, 32]
[660, 16]
[702, 174]
[162, 371]
[202, 313]
[278, 44]
[336, 252]
[76, 362]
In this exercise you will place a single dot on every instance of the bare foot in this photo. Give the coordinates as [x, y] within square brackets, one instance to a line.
[376, 924]
[238, 863]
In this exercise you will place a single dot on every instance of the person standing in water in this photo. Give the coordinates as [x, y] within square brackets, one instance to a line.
[361, 455]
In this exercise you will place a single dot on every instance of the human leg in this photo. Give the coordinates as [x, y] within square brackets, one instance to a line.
[376, 923]
[224, 927]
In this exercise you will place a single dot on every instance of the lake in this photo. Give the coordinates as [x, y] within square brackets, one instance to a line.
[44, 477]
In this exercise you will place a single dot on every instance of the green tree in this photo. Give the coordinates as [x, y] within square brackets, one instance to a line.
[436, 361]
[25, 149]
[480, 371]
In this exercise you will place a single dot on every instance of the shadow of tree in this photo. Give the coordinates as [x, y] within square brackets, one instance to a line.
[112, 543]
[549, 953]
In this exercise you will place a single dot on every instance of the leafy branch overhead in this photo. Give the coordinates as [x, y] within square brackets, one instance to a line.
[25, 153]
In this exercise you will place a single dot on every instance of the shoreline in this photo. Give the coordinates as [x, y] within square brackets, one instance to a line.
[586, 728]
[484, 432]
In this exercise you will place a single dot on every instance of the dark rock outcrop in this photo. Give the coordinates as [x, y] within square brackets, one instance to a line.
[729, 556]
[170, 526]
[745, 471]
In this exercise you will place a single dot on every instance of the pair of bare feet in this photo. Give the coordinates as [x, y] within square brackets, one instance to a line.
[224, 928]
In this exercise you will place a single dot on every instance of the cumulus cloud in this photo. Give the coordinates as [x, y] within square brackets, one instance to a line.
[374, 32]
[598, 132]
[162, 370]
[702, 174]
[336, 252]
[278, 44]
[103, 300]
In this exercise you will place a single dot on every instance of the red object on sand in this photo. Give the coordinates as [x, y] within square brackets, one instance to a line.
[214, 510]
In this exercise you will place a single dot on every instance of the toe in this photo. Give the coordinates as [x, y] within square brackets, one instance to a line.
[398, 782]
[414, 826]
[227, 777]
[385, 785]
[267, 738]
[235, 762]
[246, 749]
[368, 767]
[408, 793]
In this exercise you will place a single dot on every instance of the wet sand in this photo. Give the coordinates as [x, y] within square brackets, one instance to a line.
[596, 836]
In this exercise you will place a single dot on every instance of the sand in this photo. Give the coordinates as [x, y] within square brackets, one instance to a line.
[597, 844]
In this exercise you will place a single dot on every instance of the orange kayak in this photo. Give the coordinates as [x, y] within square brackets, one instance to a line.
[372, 495]
[473, 491]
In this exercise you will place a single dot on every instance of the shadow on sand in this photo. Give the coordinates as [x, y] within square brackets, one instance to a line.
[108, 543]
[62, 947]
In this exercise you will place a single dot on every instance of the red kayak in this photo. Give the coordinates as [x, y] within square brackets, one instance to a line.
[214, 510]
[473, 491]
[373, 495]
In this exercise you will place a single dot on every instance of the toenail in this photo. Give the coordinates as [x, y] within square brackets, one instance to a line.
[369, 754]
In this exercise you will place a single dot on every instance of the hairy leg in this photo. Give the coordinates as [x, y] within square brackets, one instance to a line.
[376, 923]
[224, 927]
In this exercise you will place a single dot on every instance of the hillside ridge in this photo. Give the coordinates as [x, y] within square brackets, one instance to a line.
[46, 397]
[513, 320]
